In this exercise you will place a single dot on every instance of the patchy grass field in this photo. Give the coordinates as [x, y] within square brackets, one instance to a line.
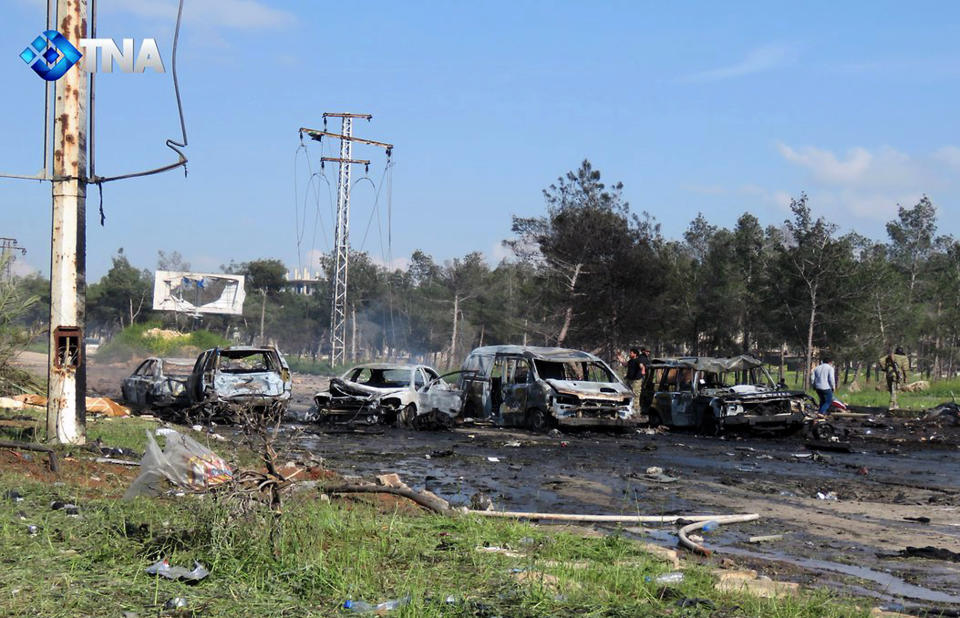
[361, 549]
[93, 564]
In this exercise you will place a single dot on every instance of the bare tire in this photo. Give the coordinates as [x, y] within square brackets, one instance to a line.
[537, 420]
[653, 418]
[407, 415]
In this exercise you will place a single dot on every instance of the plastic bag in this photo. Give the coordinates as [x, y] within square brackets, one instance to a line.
[184, 462]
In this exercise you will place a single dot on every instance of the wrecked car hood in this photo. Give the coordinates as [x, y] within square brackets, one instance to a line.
[593, 390]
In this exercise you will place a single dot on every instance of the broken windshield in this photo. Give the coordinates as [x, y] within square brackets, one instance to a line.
[251, 362]
[755, 376]
[380, 378]
[576, 371]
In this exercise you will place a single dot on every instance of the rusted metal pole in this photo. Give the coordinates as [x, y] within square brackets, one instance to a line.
[66, 385]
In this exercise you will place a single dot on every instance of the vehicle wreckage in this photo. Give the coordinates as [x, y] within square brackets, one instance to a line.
[410, 395]
[158, 383]
[710, 394]
[541, 386]
[227, 380]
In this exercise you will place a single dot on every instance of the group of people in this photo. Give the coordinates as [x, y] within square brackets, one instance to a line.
[894, 365]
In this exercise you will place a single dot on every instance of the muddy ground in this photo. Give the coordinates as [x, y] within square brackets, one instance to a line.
[898, 486]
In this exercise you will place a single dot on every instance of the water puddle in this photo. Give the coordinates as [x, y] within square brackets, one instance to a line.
[892, 585]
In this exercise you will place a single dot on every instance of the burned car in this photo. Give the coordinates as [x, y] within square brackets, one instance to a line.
[158, 383]
[225, 380]
[540, 387]
[411, 395]
[710, 394]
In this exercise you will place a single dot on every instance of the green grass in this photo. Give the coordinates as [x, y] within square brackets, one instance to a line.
[134, 341]
[939, 392]
[93, 564]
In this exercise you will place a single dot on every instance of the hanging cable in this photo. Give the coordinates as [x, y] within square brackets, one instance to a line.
[171, 143]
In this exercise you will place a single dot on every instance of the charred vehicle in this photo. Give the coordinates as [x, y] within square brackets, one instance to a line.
[540, 387]
[412, 395]
[158, 383]
[710, 394]
[224, 379]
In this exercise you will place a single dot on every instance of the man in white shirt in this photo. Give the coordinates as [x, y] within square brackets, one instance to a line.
[824, 380]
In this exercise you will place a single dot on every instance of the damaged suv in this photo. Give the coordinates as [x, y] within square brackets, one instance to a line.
[224, 378]
[540, 387]
[710, 394]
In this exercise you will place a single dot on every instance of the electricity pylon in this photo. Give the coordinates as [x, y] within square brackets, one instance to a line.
[341, 242]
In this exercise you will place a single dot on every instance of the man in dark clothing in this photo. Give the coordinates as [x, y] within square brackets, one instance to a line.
[644, 359]
[634, 377]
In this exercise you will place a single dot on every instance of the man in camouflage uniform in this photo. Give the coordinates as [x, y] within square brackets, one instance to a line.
[895, 365]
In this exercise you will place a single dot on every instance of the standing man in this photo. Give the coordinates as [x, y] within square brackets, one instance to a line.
[634, 377]
[895, 365]
[824, 380]
[644, 359]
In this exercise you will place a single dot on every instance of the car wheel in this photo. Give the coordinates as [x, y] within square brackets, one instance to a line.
[407, 415]
[537, 420]
[708, 425]
[653, 418]
[822, 431]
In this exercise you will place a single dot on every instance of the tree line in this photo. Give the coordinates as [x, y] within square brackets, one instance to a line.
[590, 273]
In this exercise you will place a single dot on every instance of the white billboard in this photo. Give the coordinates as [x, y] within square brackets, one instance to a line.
[198, 292]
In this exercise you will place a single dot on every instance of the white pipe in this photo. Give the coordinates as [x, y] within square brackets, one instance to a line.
[727, 519]
[626, 519]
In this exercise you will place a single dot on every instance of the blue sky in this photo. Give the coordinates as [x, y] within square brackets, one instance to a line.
[697, 106]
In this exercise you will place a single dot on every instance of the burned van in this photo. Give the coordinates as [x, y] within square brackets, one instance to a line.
[540, 387]
[710, 394]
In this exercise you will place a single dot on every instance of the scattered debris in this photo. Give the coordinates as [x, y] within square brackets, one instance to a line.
[695, 602]
[66, 507]
[946, 412]
[929, 552]
[748, 581]
[175, 603]
[493, 459]
[163, 569]
[184, 462]
[39, 448]
[363, 607]
[674, 577]
[655, 473]
[920, 520]
[118, 462]
[509, 553]
[829, 445]
[513, 444]
[765, 538]
[830, 495]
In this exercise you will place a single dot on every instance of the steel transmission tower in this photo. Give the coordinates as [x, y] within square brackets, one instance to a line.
[8, 254]
[341, 242]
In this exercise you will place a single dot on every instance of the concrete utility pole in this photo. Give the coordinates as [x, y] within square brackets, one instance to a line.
[67, 375]
[341, 244]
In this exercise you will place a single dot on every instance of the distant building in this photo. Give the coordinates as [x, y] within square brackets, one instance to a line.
[303, 282]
